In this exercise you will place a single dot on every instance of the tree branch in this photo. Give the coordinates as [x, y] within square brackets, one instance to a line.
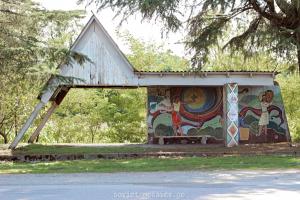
[271, 6]
[238, 40]
[284, 6]
[274, 17]
[9, 11]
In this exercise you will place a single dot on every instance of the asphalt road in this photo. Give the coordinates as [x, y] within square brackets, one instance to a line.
[208, 185]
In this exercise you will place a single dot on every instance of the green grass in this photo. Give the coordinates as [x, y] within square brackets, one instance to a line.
[154, 164]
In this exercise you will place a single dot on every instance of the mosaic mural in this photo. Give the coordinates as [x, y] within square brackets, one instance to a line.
[187, 111]
[261, 115]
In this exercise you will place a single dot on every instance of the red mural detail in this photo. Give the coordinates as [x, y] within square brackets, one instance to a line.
[183, 123]
[232, 129]
[217, 110]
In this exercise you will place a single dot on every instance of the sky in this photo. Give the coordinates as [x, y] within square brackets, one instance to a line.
[147, 31]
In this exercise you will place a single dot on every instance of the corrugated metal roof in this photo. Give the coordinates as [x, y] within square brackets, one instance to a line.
[229, 72]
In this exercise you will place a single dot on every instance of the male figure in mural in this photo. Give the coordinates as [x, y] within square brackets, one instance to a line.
[266, 101]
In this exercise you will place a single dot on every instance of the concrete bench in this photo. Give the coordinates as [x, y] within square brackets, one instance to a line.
[162, 139]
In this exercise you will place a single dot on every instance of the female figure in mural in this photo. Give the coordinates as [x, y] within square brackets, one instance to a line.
[266, 101]
[176, 119]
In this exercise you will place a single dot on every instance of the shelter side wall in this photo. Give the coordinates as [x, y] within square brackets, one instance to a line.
[251, 100]
[196, 110]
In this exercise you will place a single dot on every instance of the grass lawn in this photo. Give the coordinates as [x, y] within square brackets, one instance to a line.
[154, 164]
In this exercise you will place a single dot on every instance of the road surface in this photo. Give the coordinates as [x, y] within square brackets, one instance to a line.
[208, 185]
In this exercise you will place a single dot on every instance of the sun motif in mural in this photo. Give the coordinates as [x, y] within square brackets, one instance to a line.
[195, 98]
[198, 100]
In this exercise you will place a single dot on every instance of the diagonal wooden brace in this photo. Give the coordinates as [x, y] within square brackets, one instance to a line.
[43, 122]
[59, 98]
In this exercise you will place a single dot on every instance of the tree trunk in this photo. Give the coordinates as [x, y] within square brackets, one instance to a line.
[93, 136]
[298, 58]
[4, 137]
[16, 123]
[37, 138]
[297, 37]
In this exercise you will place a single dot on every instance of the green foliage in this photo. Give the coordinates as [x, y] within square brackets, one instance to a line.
[290, 84]
[93, 116]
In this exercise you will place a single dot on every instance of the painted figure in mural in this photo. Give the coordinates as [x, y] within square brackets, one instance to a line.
[261, 111]
[174, 109]
[176, 119]
[266, 101]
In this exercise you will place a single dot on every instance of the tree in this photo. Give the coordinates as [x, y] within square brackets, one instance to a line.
[265, 25]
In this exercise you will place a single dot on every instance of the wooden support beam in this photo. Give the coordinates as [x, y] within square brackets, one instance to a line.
[61, 95]
[25, 127]
[43, 122]
[59, 98]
